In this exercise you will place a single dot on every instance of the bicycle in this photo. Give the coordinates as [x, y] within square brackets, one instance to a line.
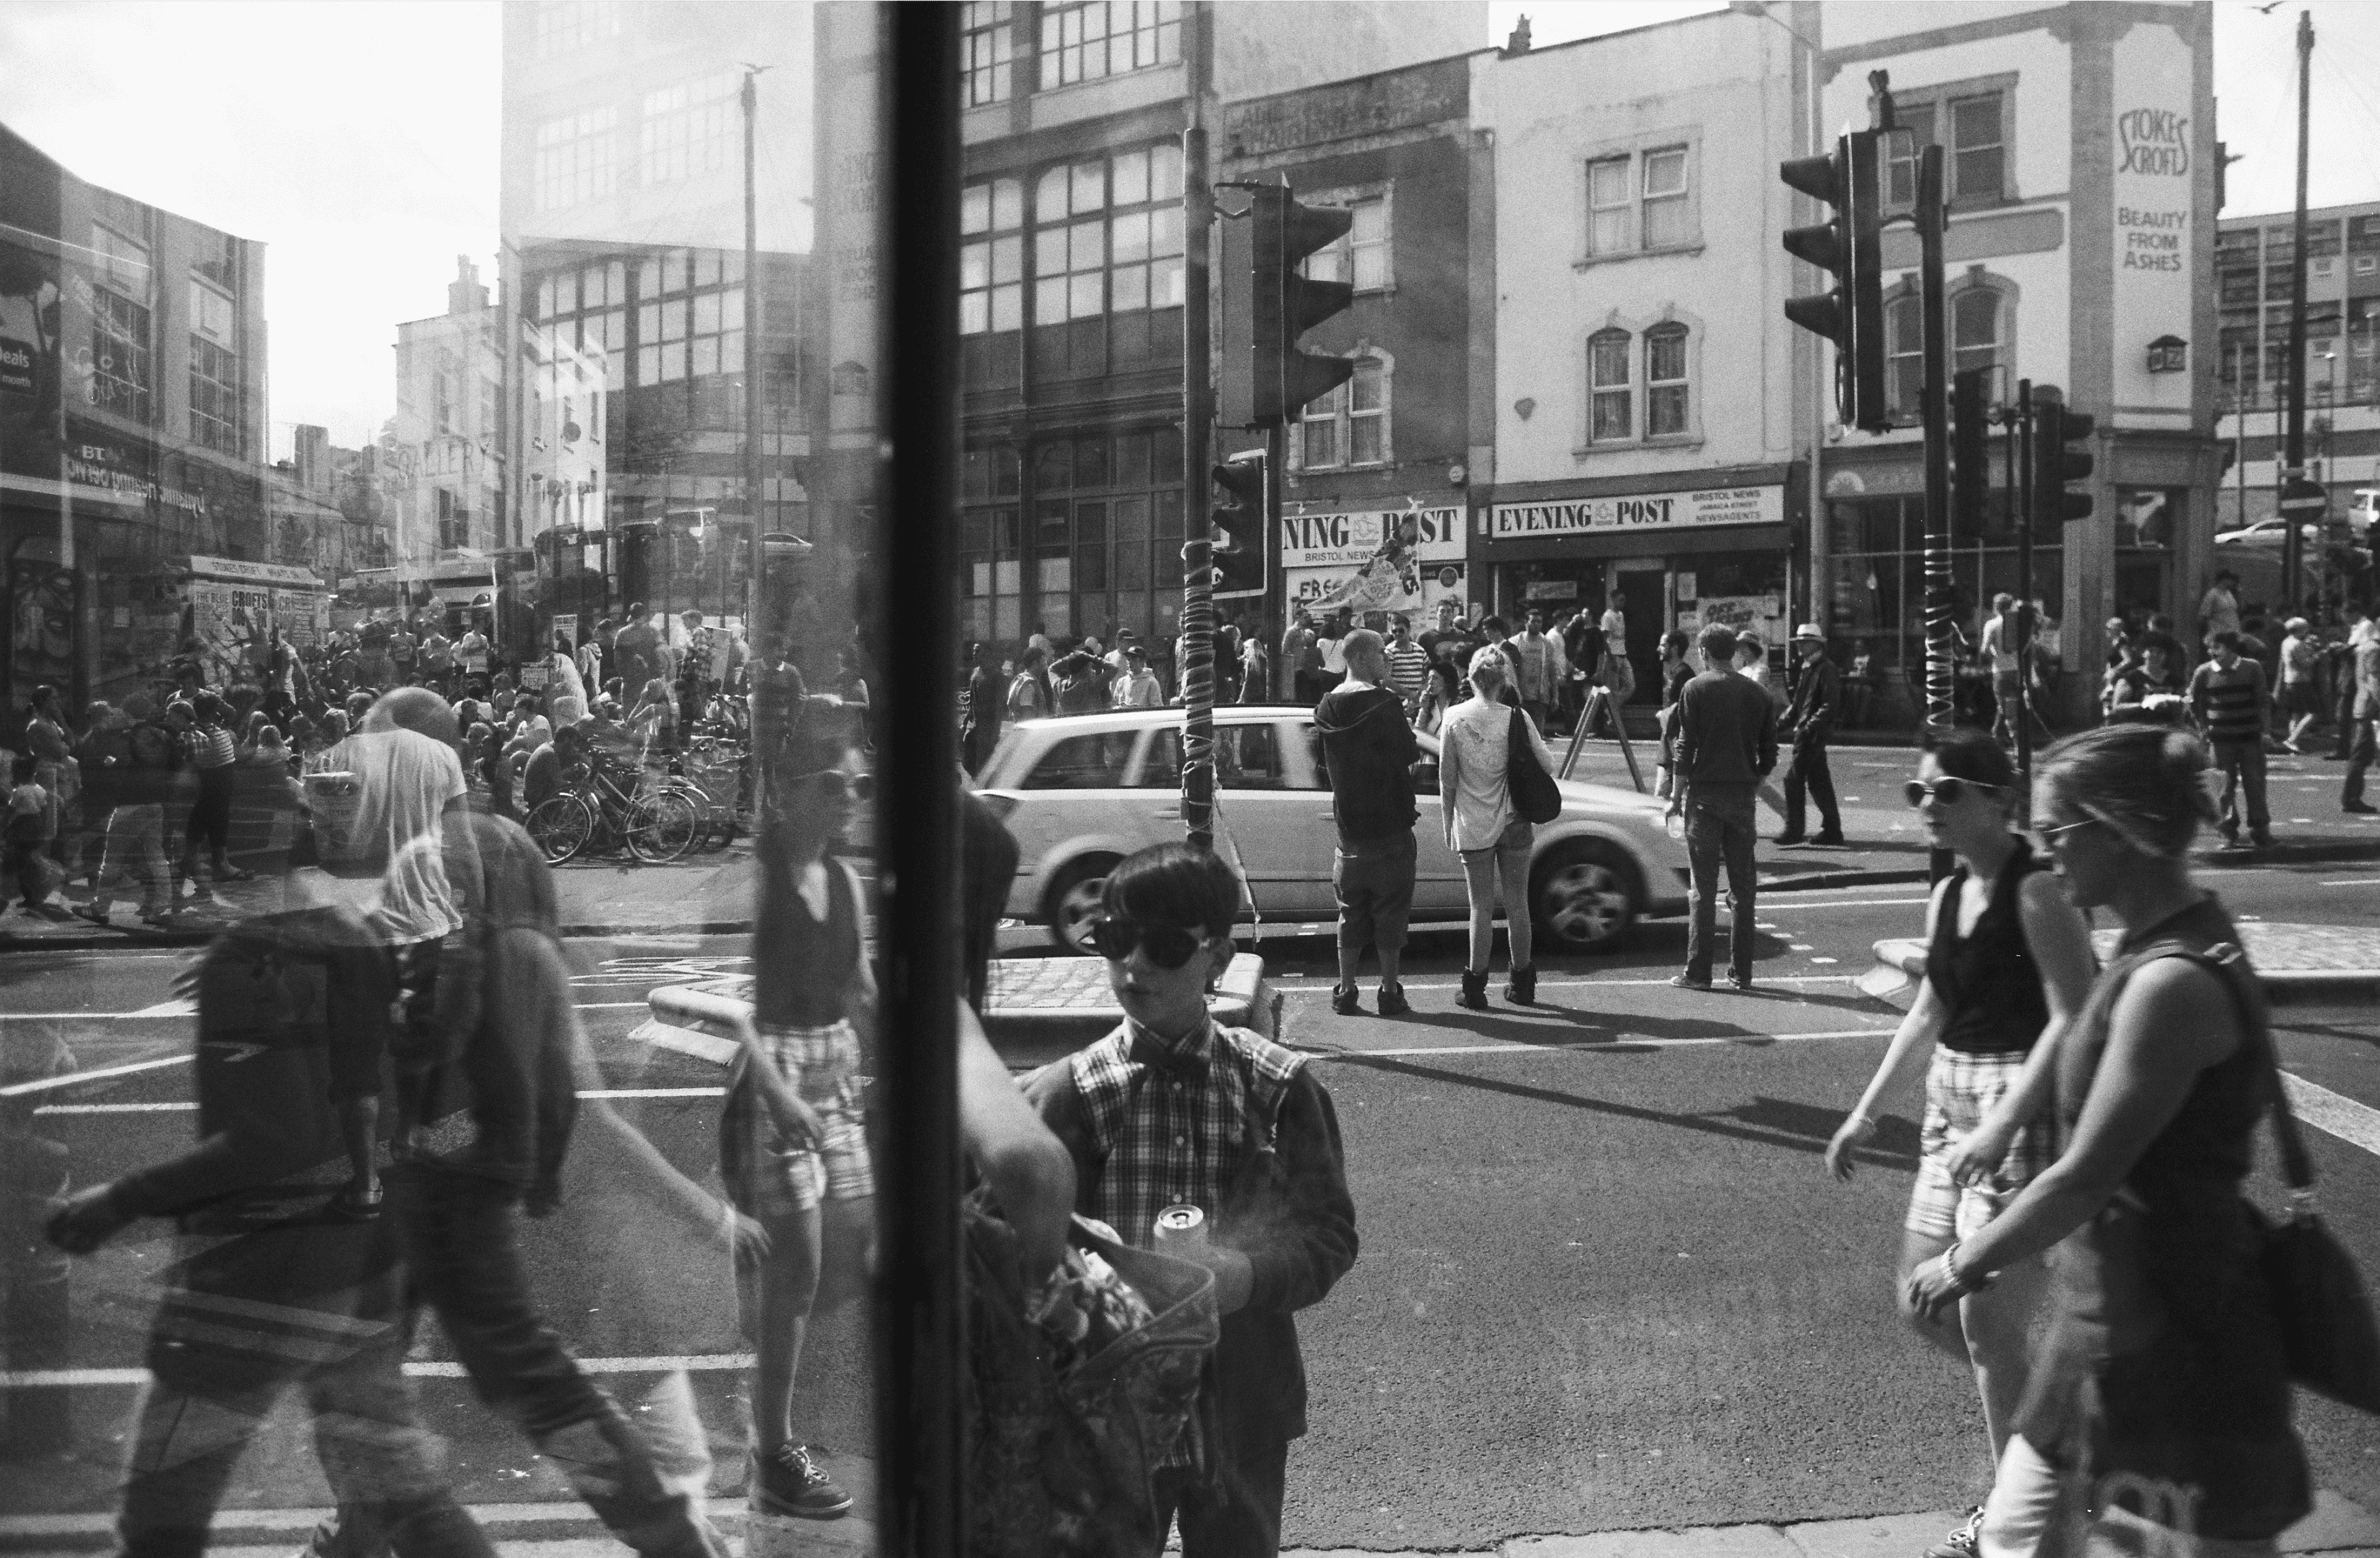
[656, 826]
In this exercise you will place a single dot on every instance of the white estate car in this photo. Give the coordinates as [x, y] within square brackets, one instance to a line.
[1082, 791]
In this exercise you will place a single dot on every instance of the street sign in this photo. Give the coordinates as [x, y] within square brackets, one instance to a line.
[2303, 497]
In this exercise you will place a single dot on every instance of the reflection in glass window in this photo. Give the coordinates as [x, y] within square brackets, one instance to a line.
[991, 256]
[1086, 41]
[987, 44]
[1091, 761]
[688, 129]
[576, 158]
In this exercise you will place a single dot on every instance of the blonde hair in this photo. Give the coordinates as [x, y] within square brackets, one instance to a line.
[2145, 783]
[1489, 669]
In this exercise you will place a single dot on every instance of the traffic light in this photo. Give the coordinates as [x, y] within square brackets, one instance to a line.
[1265, 379]
[1971, 454]
[1242, 558]
[1847, 246]
[2054, 464]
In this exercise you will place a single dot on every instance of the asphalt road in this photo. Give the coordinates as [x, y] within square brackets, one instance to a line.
[1606, 1283]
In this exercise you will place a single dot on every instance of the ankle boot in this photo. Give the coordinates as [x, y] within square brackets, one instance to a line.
[1474, 989]
[1522, 991]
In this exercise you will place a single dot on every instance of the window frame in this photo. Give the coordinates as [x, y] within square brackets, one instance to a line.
[1337, 412]
[1939, 103]
[1660, 336]
[1908, 294]
[989, 55]
[1636, 156]
[1065, 62]
[1344, 252]
[1599, 389]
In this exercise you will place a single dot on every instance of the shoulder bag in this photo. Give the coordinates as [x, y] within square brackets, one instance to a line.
[1534, 795]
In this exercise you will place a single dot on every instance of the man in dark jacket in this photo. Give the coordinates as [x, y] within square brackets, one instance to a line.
[1727, 744]
[1369, 751]
[1809, 722]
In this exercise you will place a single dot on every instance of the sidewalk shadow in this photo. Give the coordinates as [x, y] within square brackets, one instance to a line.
[1765, 1121]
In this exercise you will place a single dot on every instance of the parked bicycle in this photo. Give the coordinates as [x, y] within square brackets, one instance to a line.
[601, 813]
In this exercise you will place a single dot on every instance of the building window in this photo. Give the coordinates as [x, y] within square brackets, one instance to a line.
[986, 47]
[685, 133]
[716, 338]
[1085, 263]
[1904, 335]
[214, 396]
[1974, 329]
[1349, 425]
[1900, 172]
[1666, 405]
[1639, 203]
[119, 354]
[2365, 265]
[122, 264]
[1668, 220]
[448, 386]
[1361, 256]
[1086, 41]
[1609, 387]
[211, 313]
[1106, 543]
[1610, 229]
[575, 159]
[991, 256]
[1977, 154]
[2325, 268]
[564, 26]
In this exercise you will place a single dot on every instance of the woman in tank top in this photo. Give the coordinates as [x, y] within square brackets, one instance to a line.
[2158, 1406]
[2008, 964]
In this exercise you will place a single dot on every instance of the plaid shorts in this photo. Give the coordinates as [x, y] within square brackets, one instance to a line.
[821, 1065]
[1959, 1090]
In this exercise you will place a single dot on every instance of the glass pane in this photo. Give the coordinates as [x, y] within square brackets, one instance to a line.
[1165, 230]
[1082, 245]
[1007, 205]
[1007, 259]
[1131, 238]
[1165, 284]
[1084, 296]
[1050, 196]
[975, 265]
[1053, 466]
[1364, 446]
[1321, 442]
[1365, 384]
[674, 360]
[1667, 222]
[1087, 191]
[706, 356]
[1131, 288]
[1665, 410]
[706, 313]
[1132, 178]
[1608, 358]
[1050, 300]
[1974, 318]
[1007, 308]
[1132, 460]
[1050, 251]
[1976, 174]
[974, 208]
[1665, 355]
[1610, 231]
[1608, 182]
[1611, 418]
[1091, 462]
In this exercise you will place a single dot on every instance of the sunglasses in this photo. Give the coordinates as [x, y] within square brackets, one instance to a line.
[837, 784]
[1950, 789]
[2051, 836]
[1169, 946]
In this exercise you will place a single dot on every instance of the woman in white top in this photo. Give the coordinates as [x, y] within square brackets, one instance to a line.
[1492, 839]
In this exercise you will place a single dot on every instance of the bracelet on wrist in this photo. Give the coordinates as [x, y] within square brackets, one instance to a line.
[1966, 1281]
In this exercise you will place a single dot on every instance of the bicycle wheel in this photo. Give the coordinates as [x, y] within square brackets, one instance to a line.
[662, 826]
[561, 827]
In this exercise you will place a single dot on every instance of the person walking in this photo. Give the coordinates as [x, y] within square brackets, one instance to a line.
[1408, 663]
[1492, 839]
[2360, 716]
[2008, 965]
[1539, 657]
[1028, 696]
[1727, 745]
[1617, 675]
[1997, 650]
[2300, 701]
[1677, 670]
[1368, 751]
[2163, 1367]
[1809, 722]
[1303, 659]
[2227, 701]
[986, 698]
[1138, 687]
[212, 753]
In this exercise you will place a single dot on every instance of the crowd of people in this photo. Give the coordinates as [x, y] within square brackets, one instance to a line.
[157, 794]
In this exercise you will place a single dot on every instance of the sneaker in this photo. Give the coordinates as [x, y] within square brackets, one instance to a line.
[1960, 1544]
[1741, 981]
[1346, 1000]
[1687, 981]
[1790, 838]
[1392, 1000]
[2359, 808]
[790, 1481]
[1833, 836]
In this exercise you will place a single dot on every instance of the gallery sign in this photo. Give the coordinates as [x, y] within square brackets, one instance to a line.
[1647, 512]
[2155, 134]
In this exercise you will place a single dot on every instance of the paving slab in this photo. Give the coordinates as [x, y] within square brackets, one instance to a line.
[1696, 1541]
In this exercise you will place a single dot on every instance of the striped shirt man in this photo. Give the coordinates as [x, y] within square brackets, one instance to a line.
[2228, 696]
[1408, 667]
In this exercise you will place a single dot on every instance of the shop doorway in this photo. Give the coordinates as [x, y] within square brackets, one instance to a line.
[1649, 613]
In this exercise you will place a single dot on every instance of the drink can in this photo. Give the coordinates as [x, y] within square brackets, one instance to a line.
[1181, 1224]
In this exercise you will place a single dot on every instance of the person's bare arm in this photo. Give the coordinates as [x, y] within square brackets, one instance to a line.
[1025, 1164]
[793, 1119]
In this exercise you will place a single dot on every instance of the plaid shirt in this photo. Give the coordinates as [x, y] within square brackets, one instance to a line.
[1170, 1122]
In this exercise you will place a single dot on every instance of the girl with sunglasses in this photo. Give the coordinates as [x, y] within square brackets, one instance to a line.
[2008, 964]
[2162, 1370]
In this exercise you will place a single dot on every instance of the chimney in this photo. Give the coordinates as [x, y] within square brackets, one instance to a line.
[1518, 43]
[464, 294]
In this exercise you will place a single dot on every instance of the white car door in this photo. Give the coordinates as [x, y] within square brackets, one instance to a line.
[1439, 891]
[1274, 797]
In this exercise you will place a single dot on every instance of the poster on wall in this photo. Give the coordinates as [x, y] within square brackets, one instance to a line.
[1764, 615]
[2156, 169]
[235, 605]
[1386, 560]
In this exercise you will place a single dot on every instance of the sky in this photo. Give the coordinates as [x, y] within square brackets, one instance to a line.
[356, 139]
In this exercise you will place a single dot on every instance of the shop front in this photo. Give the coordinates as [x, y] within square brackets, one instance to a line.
[1374, 564]
[1668, 552]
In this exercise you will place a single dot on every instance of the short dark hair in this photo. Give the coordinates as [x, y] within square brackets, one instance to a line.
[2223, 638]
[1491, 621]
[1717, 641]
[1972, 754]
[1173, 884]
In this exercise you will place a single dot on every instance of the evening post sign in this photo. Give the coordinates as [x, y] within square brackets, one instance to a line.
[1647, 513]
[2154, 142]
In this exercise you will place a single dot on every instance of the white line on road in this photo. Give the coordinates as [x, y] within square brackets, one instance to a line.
[1604, 984]
[1770, 905]
[2354, 882]
[1623, 1042]
[184, 1106]
[2357, 1125]
[28, 1378]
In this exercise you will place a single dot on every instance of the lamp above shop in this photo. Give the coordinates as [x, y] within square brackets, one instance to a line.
[2168, 354]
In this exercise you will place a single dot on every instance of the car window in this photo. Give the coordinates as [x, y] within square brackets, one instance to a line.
[1249, 757]
[1161, 768]
[1091, 761]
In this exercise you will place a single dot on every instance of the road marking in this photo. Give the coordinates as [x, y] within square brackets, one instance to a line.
[2355, 882]
[184, 1106]
[1771, 906]
[1607, 984]
[50, 1084]
[53, 1379]
[2357, 1125]
[1617, 1043]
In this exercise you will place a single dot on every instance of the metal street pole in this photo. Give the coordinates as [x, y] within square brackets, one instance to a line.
[2290, 561]
[754, 487]
[1935, 413]
[1197, 668]
[2020, 501]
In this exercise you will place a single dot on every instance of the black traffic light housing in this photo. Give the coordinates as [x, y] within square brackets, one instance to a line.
[1849, 247]
[2054, 464]
[1242, 558]
[1971, 453]
[1264, 379]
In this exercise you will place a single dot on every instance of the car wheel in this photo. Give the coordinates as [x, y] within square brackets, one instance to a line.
[1583, 898]
[1074, 902]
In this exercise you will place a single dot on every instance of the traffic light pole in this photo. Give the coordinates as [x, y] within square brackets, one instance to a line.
[1934, 408]
[1197, 668]
[2019, 498]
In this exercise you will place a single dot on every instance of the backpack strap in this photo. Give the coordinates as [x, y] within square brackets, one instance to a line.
[2229, 965]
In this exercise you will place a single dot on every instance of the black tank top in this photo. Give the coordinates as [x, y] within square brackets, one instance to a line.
[802, 966]
[1988, 977]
